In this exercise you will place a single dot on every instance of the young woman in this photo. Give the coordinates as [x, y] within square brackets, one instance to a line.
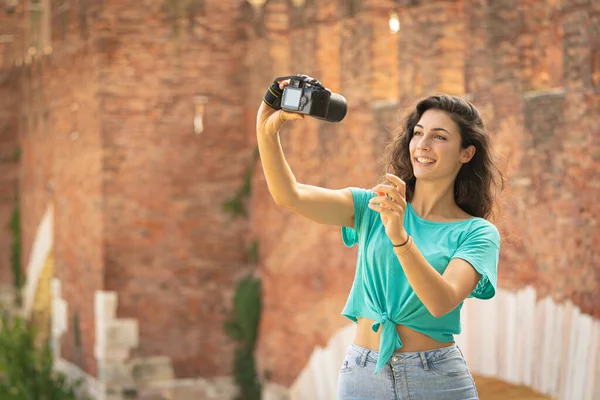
[425, 245]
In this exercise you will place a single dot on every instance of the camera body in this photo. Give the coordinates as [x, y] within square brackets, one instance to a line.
[306, 96]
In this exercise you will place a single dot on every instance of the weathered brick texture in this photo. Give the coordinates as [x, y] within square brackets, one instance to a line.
[9, 171]
[10, 36]
[105, 123]
[107, 137]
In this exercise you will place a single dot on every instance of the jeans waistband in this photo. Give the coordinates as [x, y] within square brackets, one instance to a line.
[409, 357]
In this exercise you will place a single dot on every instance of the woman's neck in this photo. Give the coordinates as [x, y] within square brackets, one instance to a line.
[435, 199]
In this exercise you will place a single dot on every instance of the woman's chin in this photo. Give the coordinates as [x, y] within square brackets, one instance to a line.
[421, 174]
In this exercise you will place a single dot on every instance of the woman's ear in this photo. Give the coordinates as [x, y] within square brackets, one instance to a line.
[467, 154]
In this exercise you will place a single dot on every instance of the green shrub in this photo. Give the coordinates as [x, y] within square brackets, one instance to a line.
[243, 327]
[26, 372]
[235, 206]
[18, 275]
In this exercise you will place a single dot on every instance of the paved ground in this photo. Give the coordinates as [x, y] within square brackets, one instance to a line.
[495, 389]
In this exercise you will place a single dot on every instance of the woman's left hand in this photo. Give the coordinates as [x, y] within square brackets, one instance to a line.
[391, 204]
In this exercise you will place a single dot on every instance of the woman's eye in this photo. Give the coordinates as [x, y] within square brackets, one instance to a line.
[417, 133]
[440, 137]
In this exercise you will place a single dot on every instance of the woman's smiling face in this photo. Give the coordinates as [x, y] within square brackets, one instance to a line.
[435, 147]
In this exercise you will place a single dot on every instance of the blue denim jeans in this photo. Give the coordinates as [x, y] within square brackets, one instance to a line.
[439, 374]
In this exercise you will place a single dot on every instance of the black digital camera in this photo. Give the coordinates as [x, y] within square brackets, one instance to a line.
[306, 95]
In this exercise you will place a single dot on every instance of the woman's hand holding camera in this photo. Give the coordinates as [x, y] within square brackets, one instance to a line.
[269, 120]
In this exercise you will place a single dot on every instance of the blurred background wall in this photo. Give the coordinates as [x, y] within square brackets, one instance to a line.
[127, 129]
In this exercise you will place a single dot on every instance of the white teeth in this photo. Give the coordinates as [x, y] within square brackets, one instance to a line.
[425, 160]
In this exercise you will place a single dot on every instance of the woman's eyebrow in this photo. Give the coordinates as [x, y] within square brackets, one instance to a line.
[433, 129]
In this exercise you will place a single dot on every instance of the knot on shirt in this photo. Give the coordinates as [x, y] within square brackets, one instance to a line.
[384, 318]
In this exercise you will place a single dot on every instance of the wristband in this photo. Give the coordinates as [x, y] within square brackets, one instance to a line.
[400, 245]
[273, 96]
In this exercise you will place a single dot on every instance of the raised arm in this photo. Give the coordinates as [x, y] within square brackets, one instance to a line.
[325, 206]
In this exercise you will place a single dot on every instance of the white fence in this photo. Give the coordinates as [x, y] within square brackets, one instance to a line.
[552, 348]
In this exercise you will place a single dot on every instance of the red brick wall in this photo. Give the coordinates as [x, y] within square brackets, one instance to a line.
[12, 45]
[10, 49]
[138, 196]
[172, 254]
[527, 66]
[107, 137]
[9, 166]
[62, 166]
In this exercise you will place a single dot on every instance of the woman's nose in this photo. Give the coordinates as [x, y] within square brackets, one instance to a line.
[423, 144]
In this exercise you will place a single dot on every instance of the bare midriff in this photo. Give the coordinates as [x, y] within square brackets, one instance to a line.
[411, 340]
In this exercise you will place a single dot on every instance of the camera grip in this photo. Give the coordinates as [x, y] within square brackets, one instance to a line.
[273, 96]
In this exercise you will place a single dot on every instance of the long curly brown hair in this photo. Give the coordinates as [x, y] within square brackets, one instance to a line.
[478, 182]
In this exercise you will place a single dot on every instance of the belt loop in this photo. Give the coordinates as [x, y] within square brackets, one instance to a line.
[424, 360]
[363, 358]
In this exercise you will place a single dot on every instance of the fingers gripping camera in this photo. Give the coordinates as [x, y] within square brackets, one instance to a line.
[306, 95]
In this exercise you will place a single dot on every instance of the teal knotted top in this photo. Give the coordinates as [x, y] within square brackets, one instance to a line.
[381, 291]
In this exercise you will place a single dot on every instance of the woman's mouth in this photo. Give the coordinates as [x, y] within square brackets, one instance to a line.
[424, 161]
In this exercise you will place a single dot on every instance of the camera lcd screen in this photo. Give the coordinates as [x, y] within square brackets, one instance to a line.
[291, 100]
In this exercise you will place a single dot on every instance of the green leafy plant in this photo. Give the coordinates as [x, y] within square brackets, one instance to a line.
[26, 372]
[15, 257]
[243, 328]
[236, 205]
[243, 324]
[253, 252]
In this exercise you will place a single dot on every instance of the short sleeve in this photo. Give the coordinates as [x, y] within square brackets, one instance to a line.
[481, 249]
[361, 199]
